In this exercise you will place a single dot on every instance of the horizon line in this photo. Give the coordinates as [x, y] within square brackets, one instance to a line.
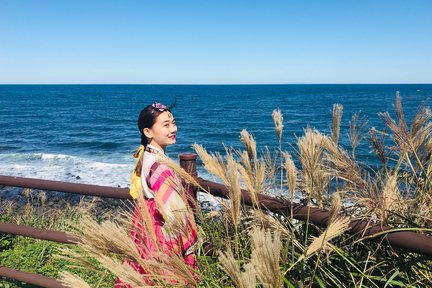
[208, 84]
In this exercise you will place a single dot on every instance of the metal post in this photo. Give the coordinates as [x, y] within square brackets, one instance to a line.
[188, 163]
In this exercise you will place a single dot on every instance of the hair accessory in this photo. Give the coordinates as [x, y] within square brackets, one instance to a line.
[160, 107]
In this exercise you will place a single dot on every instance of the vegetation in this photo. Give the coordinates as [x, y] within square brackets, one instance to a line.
[39, 256]
[248, 246]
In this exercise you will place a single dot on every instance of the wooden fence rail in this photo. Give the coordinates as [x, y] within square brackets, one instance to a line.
[410, 241]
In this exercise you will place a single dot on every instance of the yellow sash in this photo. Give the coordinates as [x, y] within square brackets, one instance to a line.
[136, 184]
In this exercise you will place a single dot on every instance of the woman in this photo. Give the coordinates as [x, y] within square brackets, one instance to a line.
[162, 222]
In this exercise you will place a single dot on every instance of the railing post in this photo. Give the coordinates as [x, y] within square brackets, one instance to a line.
[188, 163]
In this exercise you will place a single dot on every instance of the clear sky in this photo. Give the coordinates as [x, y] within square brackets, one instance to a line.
[215, 41]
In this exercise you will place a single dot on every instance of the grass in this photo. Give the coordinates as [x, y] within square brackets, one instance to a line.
[243, 246]
[40, 256]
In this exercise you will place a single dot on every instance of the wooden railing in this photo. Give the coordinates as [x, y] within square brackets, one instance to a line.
[407, 240]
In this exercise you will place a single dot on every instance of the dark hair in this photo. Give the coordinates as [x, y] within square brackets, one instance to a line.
[147, 118]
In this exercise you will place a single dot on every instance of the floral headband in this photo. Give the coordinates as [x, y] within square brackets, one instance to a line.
[160, 107]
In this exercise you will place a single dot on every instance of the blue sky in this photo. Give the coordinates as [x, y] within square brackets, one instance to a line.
[211, 42]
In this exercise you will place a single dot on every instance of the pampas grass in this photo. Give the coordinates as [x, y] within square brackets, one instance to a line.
[212, 163]
[72, 281]
[336, 120]
[311, 147]
[266, 249]
[357, 131]
[108, 242]
[291, 173]
[233, 182]
[250, 145]
[278, 122]
[336, 228]
[228, 263]
[254, 247]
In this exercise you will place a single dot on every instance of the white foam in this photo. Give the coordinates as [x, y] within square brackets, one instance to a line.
[115, 171]
[66, 168]
[54, 156]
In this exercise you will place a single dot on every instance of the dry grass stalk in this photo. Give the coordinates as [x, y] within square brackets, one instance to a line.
[107, 242]
[336, 120]
[248, 167]
[400, 114]
[255, 169]
[248, 181]
[311, 147]
[400, 136]
[399, 129]
[413, 148]
[244, 279]
[421, 119]
[253, 173]
[124, 271]
[213, 163]
[335, 228]
[278, 121]
[347, 169]
[336, 206]
[108, 236]
[179, 171]
[250, 145]
[389, 198]
[175, 218]
[357, 131]
[260, 176]
[145, 217]
[100, 241]
[233, 182]
[269, 163]
[72, 281]
[179, 271]
[266, 250]
[273, 224]
[291, 173]
[378, 145]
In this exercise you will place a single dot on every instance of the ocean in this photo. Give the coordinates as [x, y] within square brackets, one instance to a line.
[87, 133]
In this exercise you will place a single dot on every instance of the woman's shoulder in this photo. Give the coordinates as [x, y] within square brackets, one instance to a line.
[152, 165]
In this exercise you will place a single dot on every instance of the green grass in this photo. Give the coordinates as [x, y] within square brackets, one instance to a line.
[40, 256]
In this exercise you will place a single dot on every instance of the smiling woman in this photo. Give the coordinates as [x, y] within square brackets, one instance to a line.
[162, 223]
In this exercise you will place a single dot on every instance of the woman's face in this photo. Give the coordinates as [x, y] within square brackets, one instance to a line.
[163, 132]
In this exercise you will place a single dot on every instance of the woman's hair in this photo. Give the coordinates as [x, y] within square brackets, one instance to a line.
[147, 118]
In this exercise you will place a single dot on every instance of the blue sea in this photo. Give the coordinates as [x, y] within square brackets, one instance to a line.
[87, 133]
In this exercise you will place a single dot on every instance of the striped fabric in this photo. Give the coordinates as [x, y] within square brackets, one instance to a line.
[170, 227]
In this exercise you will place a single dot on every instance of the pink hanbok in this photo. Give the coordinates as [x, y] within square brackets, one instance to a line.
[167, 207]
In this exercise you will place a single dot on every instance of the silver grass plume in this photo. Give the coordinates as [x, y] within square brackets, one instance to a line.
[336, 120]
[335, 228]
[389, 198]
[229, 264]
[266, 250]
[250, 145]
[357, 131]
[311, 147]
[233, 182]
[291, 173]
[72, 281]
[278, 121]
[213, 163]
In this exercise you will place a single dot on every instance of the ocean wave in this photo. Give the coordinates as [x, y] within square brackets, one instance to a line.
[114, 172]
[68, 168]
